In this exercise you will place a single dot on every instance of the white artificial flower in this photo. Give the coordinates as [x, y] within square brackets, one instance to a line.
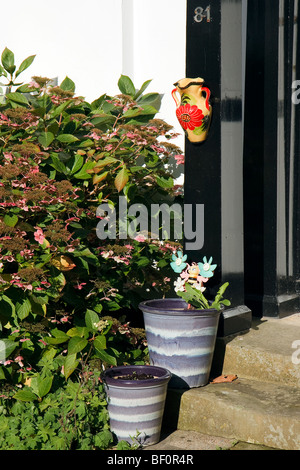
[199, 286]
[179, 284]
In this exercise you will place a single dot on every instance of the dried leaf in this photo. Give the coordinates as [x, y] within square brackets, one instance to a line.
[224, 379]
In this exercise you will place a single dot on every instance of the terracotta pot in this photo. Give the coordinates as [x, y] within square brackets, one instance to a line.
[181, 340]
[136, 405]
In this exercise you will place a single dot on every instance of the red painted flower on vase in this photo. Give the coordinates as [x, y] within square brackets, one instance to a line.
[189, 116]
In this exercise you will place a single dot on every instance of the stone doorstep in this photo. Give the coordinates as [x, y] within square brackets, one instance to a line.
[244, 410]
[265, 352]
[258, 411]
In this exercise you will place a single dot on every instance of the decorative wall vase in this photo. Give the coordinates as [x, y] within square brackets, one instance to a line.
[193, 108]
[136, 405]
[181, 339]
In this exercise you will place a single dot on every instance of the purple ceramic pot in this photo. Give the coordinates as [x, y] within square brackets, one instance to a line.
[136, 405]
[181, 340]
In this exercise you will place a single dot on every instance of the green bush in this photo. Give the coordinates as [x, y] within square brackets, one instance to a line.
[60, 159]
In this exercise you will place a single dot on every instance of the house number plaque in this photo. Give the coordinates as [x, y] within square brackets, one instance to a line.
[201, 14]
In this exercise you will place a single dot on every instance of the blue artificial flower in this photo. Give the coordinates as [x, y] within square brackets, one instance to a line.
[206, 268]
[178, 263]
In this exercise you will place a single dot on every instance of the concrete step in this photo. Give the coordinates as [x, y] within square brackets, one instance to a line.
[262, 406]
[267, 352]
[245, 410]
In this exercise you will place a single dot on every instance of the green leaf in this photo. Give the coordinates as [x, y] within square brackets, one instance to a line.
[6, 348]
[2, 71]
[165, 182]
[23, 308]
[103, 439]
[194, 297]
[70, 365]
[41, 386]
[25, 64]
[103, 119]
[96, 104]
[8, 60]
[10, 220]
[100, 342]
[92, 320]
[45, 139]
[56, 111]
[77, 163]
[83, 173]
[121, 179]
[16, 97]
[101, 177]
[58, 164]
[76, 344]
[133, 112]
[142, 89]
[104, 356]
[151, 99]
[148, 110]
[67, 84]
[57, 338]
[104, 162]
[143, 261]
[126, 86]
[7, 307]
[25, 395]
[67, 138]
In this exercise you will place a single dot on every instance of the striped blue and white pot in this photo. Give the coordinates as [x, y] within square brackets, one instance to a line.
[136, 407]
[181, 340]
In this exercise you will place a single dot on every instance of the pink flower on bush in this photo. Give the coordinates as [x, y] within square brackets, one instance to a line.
[79, 286]
[140, 238]
[179, 159]
[39, 236]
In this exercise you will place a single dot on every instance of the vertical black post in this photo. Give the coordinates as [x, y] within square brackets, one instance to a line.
[213, 169]
[271, 162]
[296, 108]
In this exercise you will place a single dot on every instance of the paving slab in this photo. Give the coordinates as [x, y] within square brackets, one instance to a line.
[192, 440]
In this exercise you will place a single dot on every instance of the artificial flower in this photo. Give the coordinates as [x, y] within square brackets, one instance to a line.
[179, 284]
[206, 268]
[178, 264]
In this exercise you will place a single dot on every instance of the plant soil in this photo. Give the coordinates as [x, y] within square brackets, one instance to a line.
[135, 376]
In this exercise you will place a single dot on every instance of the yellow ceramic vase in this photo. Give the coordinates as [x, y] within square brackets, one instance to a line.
[193, 109]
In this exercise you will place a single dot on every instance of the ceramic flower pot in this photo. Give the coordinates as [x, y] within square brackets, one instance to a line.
[136, 405]
[181, 340]
[193, 109]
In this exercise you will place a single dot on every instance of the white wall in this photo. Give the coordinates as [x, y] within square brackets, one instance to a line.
[81, 39]
[95, 41]
[156, 35]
